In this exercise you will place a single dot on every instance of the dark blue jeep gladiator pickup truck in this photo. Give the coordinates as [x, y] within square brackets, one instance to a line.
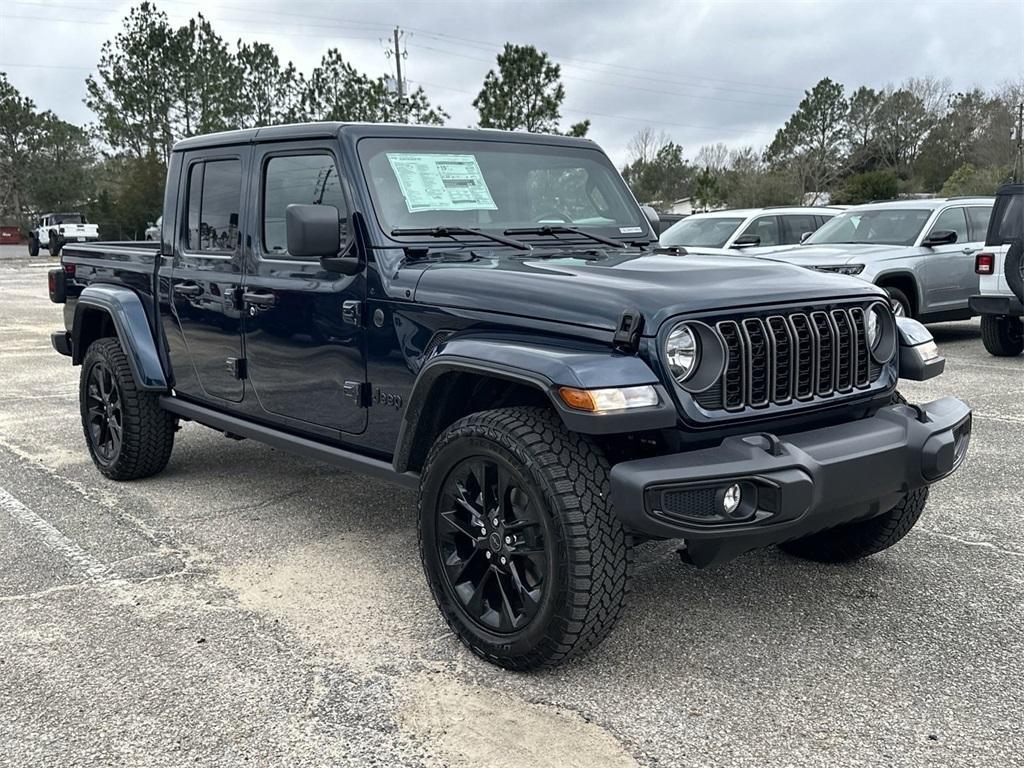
[486, 317]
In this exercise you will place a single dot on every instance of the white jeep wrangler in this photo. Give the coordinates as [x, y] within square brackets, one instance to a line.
[56, 229]
[1000, 301]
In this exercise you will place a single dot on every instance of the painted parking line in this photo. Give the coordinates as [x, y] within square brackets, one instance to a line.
[51, 537]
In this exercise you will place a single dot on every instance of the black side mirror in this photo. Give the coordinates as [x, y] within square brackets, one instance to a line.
[313, 232]
[652, 218]
[940, 237]
[804, 236]
[746, 241]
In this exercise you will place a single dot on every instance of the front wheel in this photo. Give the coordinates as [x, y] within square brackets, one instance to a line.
[522, 551]
[33, 247]
[128, 434]
[900, 303]
[1002, 336]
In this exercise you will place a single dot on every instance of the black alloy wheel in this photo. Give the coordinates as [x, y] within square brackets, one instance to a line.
[491, 538]
[104, 413]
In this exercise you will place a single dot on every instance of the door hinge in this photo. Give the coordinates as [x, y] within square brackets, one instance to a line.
[236, 367]
[358, 392]
[352, 312]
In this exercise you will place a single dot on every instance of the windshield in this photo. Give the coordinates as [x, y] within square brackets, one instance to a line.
[885, 226]
[496, 186]
[696, 232]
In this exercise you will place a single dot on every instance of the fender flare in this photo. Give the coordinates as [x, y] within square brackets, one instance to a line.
[541, 365]
[132, 326]
[898, 273]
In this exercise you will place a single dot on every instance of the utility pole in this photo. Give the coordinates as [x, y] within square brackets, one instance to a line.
[1018, 163]
[398, 64]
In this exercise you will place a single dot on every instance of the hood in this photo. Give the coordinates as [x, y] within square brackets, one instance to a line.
[843, 253]
[595, 293]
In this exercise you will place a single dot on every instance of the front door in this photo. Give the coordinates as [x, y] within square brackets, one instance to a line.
[949, 278]
[304, 352]
[206, 275]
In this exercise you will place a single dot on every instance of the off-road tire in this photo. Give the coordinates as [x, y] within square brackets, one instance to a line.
[895, 294]
[53, 246]
[1003, 336]
[586, 593]
[1013, 268]
[33, 247]
[862, 538]
[147, 429]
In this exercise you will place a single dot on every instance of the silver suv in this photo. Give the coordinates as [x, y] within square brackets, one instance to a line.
[920, 251]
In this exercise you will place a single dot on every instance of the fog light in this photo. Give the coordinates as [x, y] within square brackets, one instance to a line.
[731, 499]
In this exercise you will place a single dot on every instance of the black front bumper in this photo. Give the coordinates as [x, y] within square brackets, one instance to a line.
[790, 486]
[996, 305]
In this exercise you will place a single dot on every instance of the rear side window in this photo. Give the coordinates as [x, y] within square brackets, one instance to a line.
[214, 200]
[301, 179]
[766, 228]
[794, 226]
[955, 220]
[977, 221]
[1007, 221]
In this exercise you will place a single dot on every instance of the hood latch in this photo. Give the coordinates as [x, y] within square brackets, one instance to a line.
[628, 332]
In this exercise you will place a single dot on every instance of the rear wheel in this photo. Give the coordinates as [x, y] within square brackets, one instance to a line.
[54, 245]
[129, 435]
[524, 556]
[1003, 336]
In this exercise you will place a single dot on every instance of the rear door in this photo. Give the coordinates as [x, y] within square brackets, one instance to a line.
[206, 275]
[948, 270]
[303, 340]
[795, 225]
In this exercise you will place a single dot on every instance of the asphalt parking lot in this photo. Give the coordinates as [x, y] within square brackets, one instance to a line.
[248, 606]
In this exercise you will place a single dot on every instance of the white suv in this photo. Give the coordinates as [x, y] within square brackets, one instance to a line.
[750, 230]
[1000, 298]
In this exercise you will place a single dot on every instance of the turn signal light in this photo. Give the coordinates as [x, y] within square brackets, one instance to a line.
[985, 263]
[611, 399]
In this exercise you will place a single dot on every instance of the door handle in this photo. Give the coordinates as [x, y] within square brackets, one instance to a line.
[969, 251]
[259, 299]
[188, 289]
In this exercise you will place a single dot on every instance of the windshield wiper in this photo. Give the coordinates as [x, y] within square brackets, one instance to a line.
[453, 231]
[557, 229]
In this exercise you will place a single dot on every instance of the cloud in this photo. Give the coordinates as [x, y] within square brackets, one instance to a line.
[702, 71]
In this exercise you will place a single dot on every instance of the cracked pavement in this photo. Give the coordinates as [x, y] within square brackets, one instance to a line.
[251, 606]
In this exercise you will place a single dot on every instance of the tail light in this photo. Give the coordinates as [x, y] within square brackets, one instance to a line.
[56, 285]
[985, 263]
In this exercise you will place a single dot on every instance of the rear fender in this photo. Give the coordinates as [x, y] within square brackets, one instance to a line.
[125, 310]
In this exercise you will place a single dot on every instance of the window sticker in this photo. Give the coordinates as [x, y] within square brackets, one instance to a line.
[435, 182]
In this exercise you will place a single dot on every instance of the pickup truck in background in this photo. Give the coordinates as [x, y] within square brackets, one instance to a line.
[58, 229]
[1000, 300]
[486, 317]
[920, 251]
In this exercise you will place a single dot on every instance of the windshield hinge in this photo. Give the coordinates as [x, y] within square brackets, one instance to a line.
[628, 331]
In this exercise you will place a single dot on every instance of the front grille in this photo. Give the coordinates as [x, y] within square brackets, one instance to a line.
[798, 356]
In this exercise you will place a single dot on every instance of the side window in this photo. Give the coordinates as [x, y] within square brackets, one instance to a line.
[977, 218]
[305, 179]
[765, 227]
[794, 226]
[954, 219]
[214, 200]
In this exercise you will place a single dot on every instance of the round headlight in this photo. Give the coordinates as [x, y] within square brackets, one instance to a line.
[681, 351]
[874, 326]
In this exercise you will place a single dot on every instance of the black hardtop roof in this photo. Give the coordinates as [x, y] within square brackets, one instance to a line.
[361, 130]
[1013, 188]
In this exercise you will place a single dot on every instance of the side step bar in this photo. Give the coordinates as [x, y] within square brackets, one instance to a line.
[354, 462]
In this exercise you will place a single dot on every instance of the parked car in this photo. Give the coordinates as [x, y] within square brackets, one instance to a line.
[485, 317]
[56, 229]
[1001, 288]
[920, 251]
[752, 230]
[153, 230]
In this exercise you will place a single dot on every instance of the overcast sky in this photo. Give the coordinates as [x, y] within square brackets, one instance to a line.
[701, 71]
